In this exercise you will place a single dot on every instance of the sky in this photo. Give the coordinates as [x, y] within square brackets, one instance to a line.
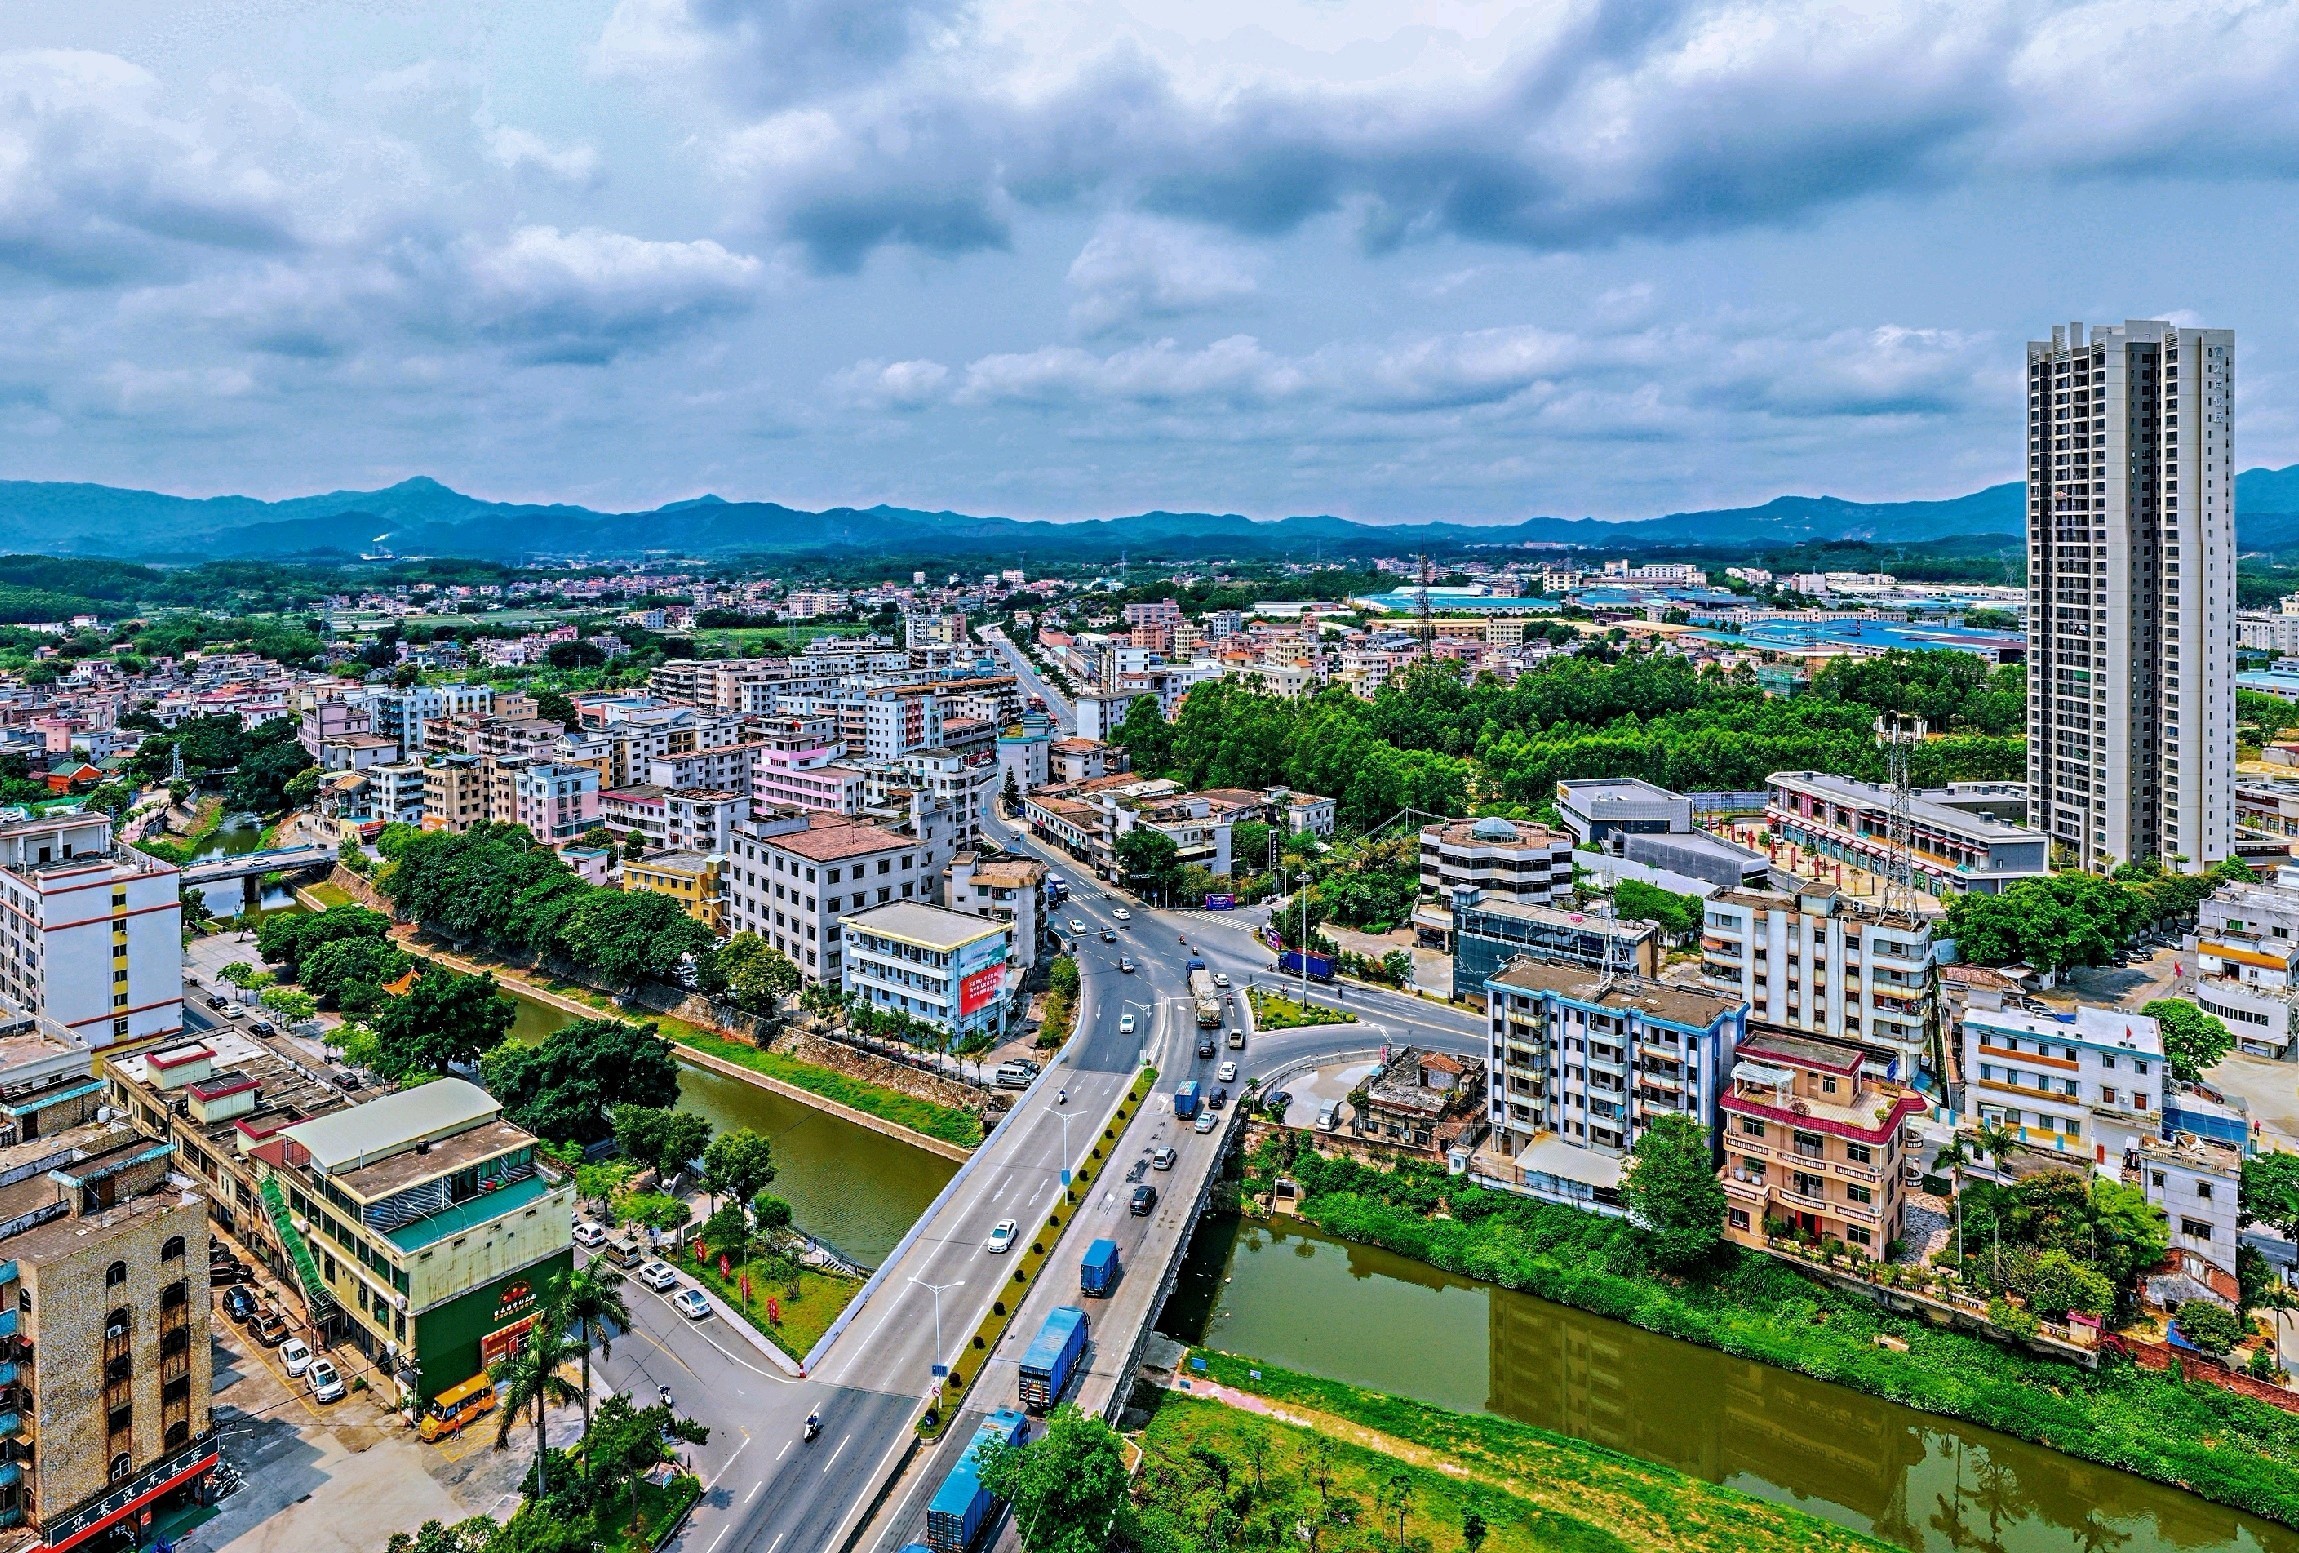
[1077, 258]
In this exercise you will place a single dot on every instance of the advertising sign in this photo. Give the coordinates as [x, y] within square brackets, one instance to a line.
[1221, 903]
[981, 989]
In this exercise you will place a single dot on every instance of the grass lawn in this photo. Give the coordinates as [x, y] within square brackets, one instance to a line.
[935, 1120]
[821, 1296]
[1274, 1011]
[1550, 1493]
[789, 639]
[328, 894]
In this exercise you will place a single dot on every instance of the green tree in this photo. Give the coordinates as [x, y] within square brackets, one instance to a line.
[444, 1021]
[591, 1296]
[2210, 1326]
[285, 939]
[471, 1536]
[564, 1088]
[350, 973]
[293, 1005]
[1672, 1189]
[1145, 735]
[2269, 1193]
[739, 1164]
[758, 975]
[659, 1138]
[727, 1233]
[2193, 1041]
[2061, 1284]
[527, 1380]
[1148, 861]
[626, 939]
[1677, 914]
[771, 1213]
[1066, 1487]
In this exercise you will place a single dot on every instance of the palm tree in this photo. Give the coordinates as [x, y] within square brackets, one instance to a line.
[1956, 1153]
[592, 1298]
[528, 1377]
[1997, 1137]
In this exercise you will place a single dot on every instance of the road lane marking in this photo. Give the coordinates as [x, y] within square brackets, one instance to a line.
[834, 1455]
[778, 1455]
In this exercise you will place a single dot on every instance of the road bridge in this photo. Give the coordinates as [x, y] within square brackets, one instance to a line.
[254, 865]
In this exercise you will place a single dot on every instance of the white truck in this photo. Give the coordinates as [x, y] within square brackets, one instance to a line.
[1202, 989]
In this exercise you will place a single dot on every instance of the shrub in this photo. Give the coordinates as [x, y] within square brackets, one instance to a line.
[2210, 1326]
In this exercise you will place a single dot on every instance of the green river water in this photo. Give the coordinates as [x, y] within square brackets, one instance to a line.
[857, 1189]
[1305, 1300]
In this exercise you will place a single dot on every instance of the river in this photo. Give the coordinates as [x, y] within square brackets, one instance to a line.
[857, 1189]
[225, 898]
[1297, 1297]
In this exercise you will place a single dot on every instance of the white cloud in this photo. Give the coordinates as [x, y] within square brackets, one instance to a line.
[590, 294]
[518, 150]
[1134, 270]
[895, 385]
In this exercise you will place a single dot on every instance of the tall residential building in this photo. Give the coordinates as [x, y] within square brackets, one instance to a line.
[2131, 592]
[90, 932]
[1818, 964]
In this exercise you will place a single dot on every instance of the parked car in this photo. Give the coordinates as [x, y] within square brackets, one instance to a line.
[295, 1356]
[588, 1234]
[326, 1385]
[1126, 1025]
[263, 1027]
[658, 1277]
[1277, 1104]
[222, 1275]
[1144, 1199]
[1227, 1073]
[1162, 1158]
[269, 1328]
[239, 1303]
[1001, 1237]
[235, 1012]
[1328, 1118]
[691, 1304]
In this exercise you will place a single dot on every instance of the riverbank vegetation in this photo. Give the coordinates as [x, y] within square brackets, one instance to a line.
[1431, 741]
[2220, 1445]
[1529, 1487]
[946, 1123]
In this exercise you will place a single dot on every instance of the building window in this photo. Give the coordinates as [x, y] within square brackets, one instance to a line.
[2195, 1229]
[173, 1251]
[115, 1275]
[122, 1465]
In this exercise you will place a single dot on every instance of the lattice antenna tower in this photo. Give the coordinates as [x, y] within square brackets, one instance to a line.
[1425, 623]
[1897, 734]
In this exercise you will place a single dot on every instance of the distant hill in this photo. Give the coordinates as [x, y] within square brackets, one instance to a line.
[423, 517]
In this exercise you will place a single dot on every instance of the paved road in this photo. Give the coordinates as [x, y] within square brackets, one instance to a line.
[770, 1493]
[1033, 683]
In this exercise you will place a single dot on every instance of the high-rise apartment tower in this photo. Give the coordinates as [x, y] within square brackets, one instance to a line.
[2131, 593]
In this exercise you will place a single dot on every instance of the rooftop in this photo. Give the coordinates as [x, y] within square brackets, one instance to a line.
[372, 1183]
[2088, 1025]
[1921, 808]
[1494, 832]
[358, 1135]
[929, 927]
[1686, 1007]
[833, 842]
[466, 1215]
[1804, 1051]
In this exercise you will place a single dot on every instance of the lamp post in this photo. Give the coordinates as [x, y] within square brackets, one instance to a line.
[937, 1367]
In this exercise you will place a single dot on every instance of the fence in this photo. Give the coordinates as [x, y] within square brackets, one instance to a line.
[2156, 1356]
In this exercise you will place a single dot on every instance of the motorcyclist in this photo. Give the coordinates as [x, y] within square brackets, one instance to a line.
[813, 1425]
[1061, 1097]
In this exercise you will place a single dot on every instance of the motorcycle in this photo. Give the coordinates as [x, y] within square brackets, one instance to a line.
[813, 1427]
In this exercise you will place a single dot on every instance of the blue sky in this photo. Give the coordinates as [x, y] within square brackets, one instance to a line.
[1062, 258]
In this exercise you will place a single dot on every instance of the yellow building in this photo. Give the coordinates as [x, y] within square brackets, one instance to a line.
[696, 880]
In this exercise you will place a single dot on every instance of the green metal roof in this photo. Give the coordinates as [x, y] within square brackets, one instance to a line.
[468, 1215]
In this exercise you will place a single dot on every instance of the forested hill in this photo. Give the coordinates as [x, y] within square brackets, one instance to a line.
[1430, 741]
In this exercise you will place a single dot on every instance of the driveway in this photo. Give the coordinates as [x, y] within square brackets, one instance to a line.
[2268, 1087]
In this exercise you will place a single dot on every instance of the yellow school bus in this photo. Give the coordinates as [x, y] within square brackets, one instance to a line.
[456, 1407]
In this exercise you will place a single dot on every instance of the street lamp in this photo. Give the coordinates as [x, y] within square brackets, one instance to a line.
[939, 1368]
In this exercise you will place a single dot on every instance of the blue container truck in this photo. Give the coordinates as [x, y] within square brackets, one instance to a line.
[1185, 1100]
[1052, 1355]
[1320, 966]
[1098, 1273]
[961, 1507]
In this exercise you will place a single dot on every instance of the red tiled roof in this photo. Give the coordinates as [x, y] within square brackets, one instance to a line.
[830, 843]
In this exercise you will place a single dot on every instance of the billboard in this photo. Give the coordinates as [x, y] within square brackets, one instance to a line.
[980, 990]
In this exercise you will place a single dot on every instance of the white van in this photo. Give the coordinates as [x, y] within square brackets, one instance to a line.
[1017, 1074]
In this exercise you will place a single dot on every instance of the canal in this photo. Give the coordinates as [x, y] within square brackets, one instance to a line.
[857, 1189]
[1297, 1297]
[234, 838]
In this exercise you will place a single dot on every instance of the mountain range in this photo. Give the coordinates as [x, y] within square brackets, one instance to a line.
[422, 517]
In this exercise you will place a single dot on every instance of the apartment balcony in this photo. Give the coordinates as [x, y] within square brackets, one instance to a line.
[2059, 1064]
[2029, 1092]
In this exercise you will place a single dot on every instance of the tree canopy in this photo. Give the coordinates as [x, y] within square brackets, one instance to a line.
[2193, 1041]
[565, 1088]
[1672, 1189]
[445, 1020]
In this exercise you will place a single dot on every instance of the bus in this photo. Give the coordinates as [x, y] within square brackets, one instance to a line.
[457, 1407]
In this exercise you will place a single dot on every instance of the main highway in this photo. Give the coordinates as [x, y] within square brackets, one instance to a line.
[767, 1491]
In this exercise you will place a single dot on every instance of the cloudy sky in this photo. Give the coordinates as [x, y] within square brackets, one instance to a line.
[1061, 258]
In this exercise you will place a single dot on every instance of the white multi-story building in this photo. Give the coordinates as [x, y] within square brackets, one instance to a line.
[396, 792]
[91, 936]
[2131, 592]
[1819, 964]
[2089, 1083]
[791, 876]
[808, 779]
[1511, 859]
[2241, 964]
[944, 967]
[1004, 890]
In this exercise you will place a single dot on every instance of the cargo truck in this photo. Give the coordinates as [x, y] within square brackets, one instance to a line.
[962, 1506]
[1185, 1101]
[1320, 965]
[1098, 1273]
[1208, 1000]
[1052, 1355]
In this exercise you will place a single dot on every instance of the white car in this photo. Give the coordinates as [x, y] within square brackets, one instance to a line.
[325, 1384]
[1001, 1237]
[658, 1277]
[1076, 926]
[295, 1355]
[1122, 914]
[588, 1234]
[691, 1304]
[1221, 978]
[1126, 1025]
[1226, 1073]
[1207, 1121]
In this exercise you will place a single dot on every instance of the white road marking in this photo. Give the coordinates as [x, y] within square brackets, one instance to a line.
[834, 1455]
[778, 1455]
